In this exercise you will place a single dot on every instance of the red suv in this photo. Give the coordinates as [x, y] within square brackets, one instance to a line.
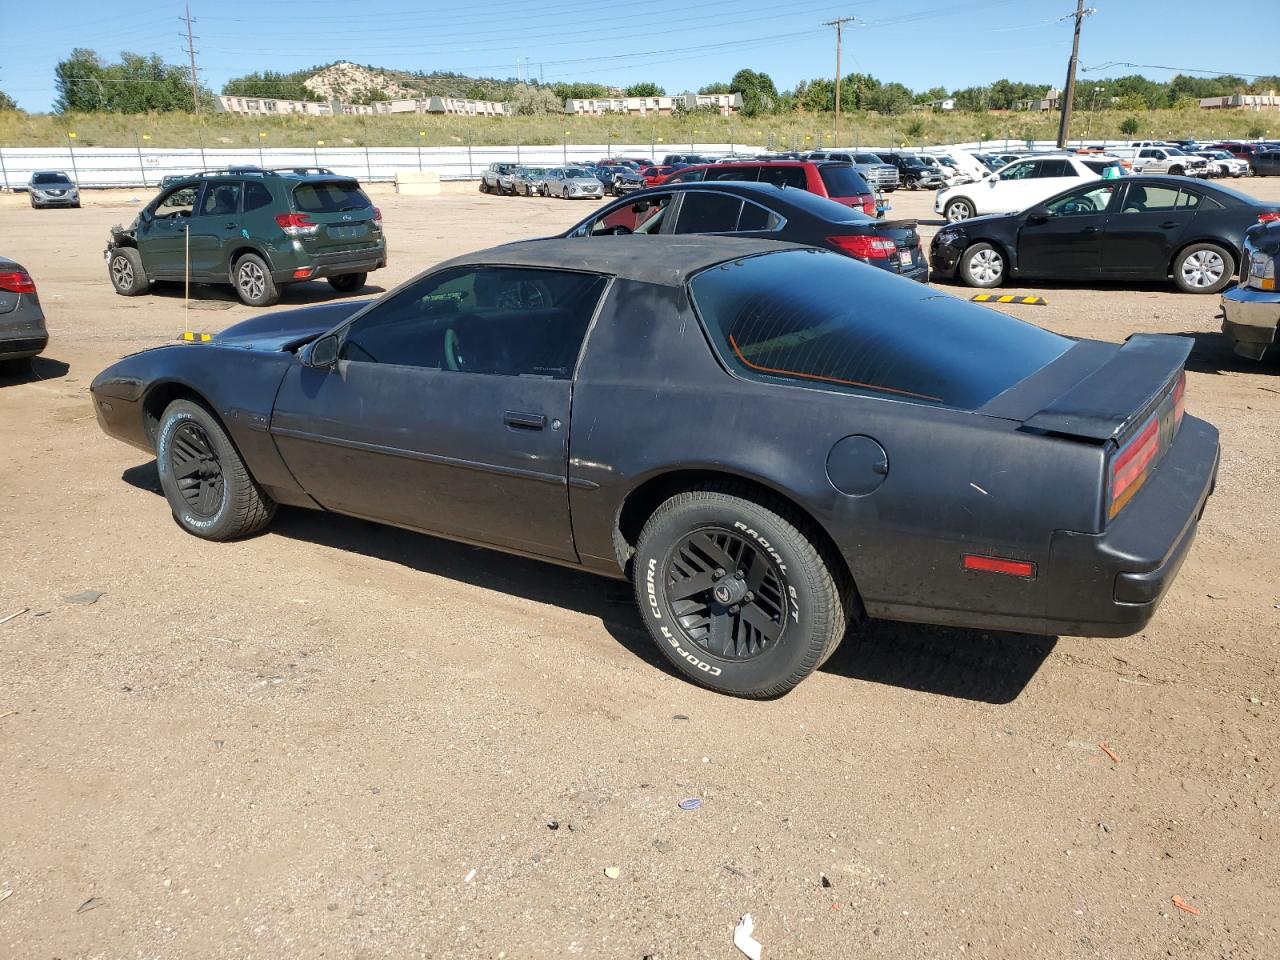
[833, 179]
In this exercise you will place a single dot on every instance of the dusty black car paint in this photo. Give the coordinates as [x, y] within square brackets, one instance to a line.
[651, 410]
[1108, 243]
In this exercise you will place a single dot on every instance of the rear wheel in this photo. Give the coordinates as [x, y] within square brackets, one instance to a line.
[209, 488]
[348, 282]
[982, 265]
[735, 594]
[958, 210]
[1203, 268]
[484, 187]
[1176, 171]
[127, 275]
[253, 281]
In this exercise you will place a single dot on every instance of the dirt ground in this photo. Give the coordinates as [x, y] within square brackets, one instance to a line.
[340, 740]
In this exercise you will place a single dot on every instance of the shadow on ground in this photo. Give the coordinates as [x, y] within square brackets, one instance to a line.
[1214, 353]
[303, 294]
[42, 368]
[990, 667]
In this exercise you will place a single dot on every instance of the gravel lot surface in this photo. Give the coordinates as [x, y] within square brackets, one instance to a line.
[343, 740]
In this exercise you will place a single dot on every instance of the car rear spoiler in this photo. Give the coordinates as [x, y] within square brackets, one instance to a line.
[1098, 390]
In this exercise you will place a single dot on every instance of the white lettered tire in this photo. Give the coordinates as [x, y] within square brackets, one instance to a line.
[735, 594]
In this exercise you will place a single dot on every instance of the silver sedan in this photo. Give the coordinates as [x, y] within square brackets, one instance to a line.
[571, 182]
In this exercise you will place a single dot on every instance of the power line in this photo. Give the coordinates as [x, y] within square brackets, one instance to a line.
[839, 23]
[191, 52]
[1156, 66]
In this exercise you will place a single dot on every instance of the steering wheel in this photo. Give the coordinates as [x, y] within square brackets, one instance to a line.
[452, 354]
[1080, 205]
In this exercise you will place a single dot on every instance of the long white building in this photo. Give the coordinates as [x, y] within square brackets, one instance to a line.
[450, 106]
[726, 104]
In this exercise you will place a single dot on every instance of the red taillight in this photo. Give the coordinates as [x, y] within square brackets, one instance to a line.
[17, 281]
[302, 273]
[1179, 400]
[1129, 467]
[865, 248]
[868, 205]
[296, 224]
[377, 217]
[1269, 217]
[1010, 568]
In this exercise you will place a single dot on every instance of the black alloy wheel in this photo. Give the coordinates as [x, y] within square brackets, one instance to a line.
[197, 469]
[726, 594]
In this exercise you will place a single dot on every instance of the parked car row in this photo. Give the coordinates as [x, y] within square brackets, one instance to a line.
[567, 182]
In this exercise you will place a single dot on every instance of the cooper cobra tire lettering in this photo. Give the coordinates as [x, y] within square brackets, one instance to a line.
[162, 456]
[653, 589]
[706, 668]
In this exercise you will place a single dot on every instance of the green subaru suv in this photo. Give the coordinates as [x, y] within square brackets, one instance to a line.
[254, 229]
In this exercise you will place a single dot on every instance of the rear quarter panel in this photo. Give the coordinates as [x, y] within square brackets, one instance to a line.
[651, 397]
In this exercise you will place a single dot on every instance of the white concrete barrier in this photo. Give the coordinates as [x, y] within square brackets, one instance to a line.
[417, 183]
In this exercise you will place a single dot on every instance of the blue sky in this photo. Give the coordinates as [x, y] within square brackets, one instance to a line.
[680, 44]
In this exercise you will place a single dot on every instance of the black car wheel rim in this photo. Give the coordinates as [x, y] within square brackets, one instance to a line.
[727, 595]
[196, 470]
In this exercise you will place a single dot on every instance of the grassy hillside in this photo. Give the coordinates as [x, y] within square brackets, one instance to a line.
[798, 131]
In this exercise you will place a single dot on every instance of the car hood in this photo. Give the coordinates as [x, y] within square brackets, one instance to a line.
[584, 181]
[288, 329]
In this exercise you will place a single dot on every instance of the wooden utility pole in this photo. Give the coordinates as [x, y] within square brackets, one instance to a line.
[191, 52]
[839, 23]
[1069, 91]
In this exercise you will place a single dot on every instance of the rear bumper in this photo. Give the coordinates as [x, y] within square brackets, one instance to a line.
[22, 330]
[18, 348]
[1250, 319]
[1110, 584]
[336, 264]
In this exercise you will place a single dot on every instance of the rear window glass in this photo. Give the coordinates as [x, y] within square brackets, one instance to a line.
[1100, 166]
[822, 320]
[330, 196]
[842, 181]
[749, 174]
[784, 176]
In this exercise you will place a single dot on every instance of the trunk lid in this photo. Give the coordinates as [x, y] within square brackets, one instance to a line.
[1128, 399]
[344, 216]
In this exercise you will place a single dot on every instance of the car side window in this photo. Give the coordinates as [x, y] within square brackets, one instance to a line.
[501, 321]
[639, 217]
[1054, 168]
[706, 212]
[783, 176]
[178, 203]
[1019, 171]
[220, 200]
[1140, 199]
[749, 174]
[256, 196]
[757, 218]
[1082, 202]
[693, 176]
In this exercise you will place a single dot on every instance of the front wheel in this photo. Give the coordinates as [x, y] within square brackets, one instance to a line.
[253, 282]
[735, 595]
[1176, 171]
[127, 275]
[1203, 268]
[348, 282]
[209, 488]
[958, 210]
[983, 266]
[484, 187]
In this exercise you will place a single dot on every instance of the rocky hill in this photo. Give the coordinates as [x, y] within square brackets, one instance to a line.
[354, 83]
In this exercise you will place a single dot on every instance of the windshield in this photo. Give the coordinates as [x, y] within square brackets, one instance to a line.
[46, 179]
[812, 318]
[912, 162]
[867, 158]
[576, 172]
[334, 196]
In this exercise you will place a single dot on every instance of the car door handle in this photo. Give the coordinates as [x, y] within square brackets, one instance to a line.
[1087, 230]
[231, 224]
[1169, 224]
[524, 421]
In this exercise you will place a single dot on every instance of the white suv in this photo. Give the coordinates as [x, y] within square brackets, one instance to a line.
[1021, 184]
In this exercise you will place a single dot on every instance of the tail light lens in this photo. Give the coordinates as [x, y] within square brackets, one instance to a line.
[1272, 217]
[17, 281]
[1130, 465]
[1179, 400]
[297, 224]
[865, 248]
[869, 205]
[377, 218]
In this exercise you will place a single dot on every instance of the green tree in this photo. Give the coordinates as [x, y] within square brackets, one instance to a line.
[477, 92]
[270, 84]
[890, 98]
[645, 89]
[1255, 132]
[915, 129]
[529, 100]
[579, 91]
[718, 87]
[79, 82]
[759, 95]
[933, 93]
[7, 102]
[136, 84]
[1129, 126]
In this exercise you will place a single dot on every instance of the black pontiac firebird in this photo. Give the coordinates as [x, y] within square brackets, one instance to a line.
[769, 440]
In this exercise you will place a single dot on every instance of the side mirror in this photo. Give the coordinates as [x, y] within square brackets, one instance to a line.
[1038, 215]
[321, 354]
[146, 216]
